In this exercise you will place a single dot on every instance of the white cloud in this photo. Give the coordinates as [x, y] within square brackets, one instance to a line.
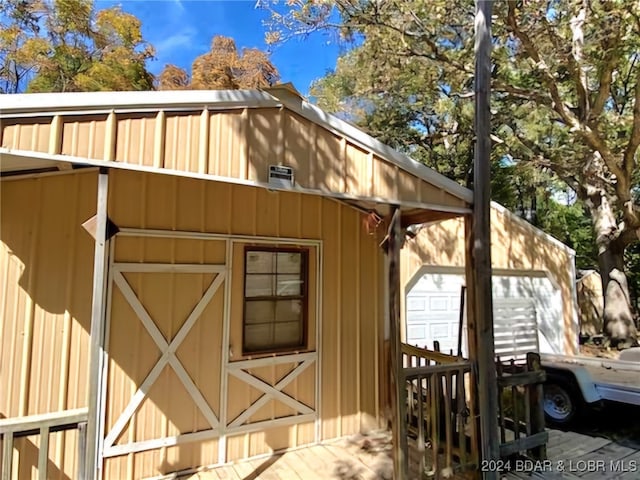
[182, 39]
[179, 5]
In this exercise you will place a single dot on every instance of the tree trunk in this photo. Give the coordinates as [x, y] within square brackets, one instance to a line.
[619, 326]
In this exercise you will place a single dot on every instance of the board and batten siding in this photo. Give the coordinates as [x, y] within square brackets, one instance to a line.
[238, 143]
[515, 245]
[46, 260]
[46, 266]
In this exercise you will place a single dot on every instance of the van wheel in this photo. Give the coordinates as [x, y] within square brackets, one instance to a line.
[561, 403]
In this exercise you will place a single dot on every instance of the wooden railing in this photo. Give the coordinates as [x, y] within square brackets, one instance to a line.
[438, 413]
[421, 357]
[42, 425]
[521, 409]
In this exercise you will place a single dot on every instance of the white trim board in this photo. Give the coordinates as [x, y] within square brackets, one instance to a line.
[168, 357]
[29, 155]
[187, 235]
[105, 102]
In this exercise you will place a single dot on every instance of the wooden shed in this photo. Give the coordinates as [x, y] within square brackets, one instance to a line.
[165, 277]
[533, 286]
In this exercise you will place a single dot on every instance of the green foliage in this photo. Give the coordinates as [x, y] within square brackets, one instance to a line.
[65, 45]
[570, 224]
[565, 80]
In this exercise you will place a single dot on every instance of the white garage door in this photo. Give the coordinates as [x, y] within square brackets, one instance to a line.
[433, 309]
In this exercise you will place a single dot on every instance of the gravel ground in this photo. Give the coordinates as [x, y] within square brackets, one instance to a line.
[591, 350]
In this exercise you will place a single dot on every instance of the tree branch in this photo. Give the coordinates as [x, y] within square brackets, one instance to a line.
[629, 236]
[575, 60]
[434, 54]
[411, 52]
[629, 161]
[606, 75]
[590, 136]
[558, 105]
[520, 93]
[625, 95]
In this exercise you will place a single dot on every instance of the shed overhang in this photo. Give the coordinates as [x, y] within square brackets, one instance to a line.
[229, 136]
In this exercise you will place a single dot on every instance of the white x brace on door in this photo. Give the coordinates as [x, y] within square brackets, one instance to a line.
[168, 356]
[301, 412]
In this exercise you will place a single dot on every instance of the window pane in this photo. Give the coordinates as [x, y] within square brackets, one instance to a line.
[259, 312]
[289, 311]
[289, 285]
[259, 286]
[288, 334]
[289, 262]
[258, 337]
[260, 262]
[271, 320]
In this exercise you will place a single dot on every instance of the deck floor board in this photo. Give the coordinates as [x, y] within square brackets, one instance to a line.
[367, 458]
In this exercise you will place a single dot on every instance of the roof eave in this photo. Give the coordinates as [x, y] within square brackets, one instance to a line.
[221, 99]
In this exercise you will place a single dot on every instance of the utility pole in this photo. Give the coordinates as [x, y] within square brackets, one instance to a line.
[481, 238]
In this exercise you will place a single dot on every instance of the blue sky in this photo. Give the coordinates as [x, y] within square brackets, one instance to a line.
[180, 30]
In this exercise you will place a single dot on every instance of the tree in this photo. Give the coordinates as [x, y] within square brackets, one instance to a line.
[66, 45]
[222, 68]
[21, 47]
[566, 84]
[173, 77]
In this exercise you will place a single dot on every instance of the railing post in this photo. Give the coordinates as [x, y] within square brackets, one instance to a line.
[536, 399]
[43, 453]
[43, 424]
[82, 451]
[421, 444]
[7, 455]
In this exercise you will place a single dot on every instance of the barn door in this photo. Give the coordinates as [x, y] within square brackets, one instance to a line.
[271, 399]
[163, 379]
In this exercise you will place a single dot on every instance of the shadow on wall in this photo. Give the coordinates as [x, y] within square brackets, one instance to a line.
[51, 260]
[515, 245]
[41, 227]
[46, 258]
[518, 245]
[590, 303]
[438, 243]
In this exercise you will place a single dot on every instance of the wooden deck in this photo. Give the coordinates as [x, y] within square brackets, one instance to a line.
[574, 456]
[359, 457]
[571, 456]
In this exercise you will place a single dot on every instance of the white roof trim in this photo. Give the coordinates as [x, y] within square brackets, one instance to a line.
[535, 230]
[28, 155]
[106, 101]
[51, 103]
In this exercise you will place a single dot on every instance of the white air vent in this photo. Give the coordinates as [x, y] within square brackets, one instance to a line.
[280, 176]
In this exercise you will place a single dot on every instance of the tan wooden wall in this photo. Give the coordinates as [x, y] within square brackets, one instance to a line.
[46, 263]
[239, 144]
[590, 304]
[514, 246]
